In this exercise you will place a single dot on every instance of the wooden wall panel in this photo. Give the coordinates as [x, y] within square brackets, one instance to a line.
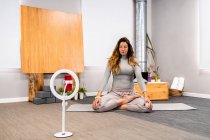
[50, 40]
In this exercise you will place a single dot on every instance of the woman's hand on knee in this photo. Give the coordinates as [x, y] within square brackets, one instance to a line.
[148, 103]
[96, 103]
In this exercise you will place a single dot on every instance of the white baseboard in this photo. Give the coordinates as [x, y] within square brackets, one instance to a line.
[10, 70]
[12, 100]
[94, 93]
[198, 95]
[91, 93]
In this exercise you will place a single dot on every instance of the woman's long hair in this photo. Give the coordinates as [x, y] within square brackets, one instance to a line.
[114, 60]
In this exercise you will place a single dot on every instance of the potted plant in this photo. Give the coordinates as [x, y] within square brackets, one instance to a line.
[153, 67]
[81, 92]
[61, 90]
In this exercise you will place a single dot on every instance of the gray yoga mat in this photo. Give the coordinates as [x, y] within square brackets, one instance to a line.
[156, 106]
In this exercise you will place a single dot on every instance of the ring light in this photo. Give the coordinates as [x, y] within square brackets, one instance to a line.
[64, 97]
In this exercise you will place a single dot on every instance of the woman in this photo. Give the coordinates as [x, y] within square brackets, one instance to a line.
[123, 66]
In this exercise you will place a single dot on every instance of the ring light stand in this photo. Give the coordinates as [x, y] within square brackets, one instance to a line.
[64, 97]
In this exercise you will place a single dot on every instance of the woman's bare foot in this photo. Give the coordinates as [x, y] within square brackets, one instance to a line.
[123, 107]
[127, 98]
[130, 97]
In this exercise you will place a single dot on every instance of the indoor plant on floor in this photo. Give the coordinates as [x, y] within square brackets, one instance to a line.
[82, 92]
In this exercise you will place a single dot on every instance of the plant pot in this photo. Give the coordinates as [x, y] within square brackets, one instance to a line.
[81, 95]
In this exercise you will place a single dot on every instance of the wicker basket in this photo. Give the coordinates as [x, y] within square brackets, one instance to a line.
[175, 92]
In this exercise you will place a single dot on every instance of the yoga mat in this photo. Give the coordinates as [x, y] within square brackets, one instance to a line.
[156, 106]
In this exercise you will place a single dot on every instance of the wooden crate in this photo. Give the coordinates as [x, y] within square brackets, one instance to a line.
[155, 90]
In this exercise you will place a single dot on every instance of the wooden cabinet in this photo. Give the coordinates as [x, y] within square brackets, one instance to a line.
[155, 90]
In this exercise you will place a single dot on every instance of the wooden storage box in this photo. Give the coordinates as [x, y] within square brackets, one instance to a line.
[155, 90]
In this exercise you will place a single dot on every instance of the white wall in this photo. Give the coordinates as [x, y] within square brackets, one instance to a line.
[9, 34]
[104, 22]
[204, 33]
[13, 84]
[175, 38]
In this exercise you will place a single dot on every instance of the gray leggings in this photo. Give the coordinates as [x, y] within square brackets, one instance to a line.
[109, 102]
